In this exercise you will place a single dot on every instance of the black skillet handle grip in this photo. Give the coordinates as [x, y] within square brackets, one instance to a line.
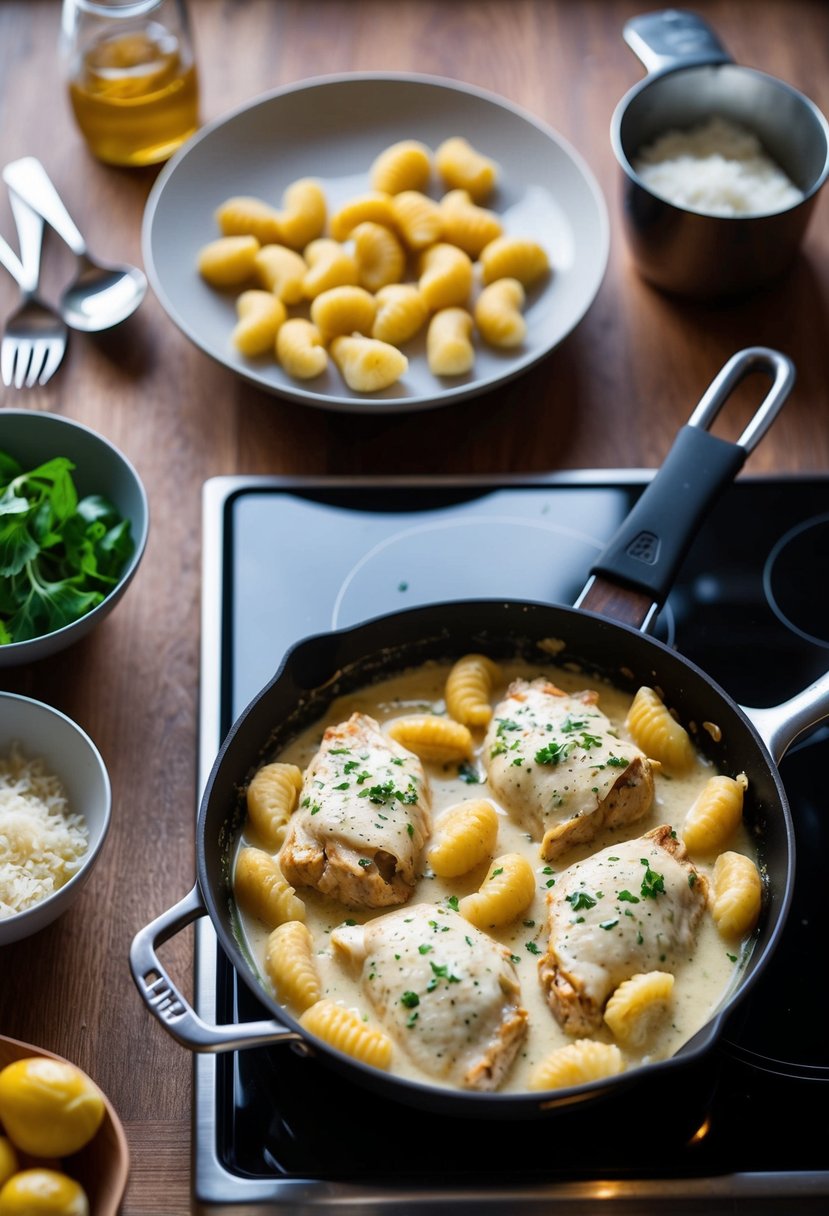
[648, 549]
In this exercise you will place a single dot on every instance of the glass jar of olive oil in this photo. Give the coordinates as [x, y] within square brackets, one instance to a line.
[132, 77]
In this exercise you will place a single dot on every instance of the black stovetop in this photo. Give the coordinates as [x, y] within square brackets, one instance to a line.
[276, 1131]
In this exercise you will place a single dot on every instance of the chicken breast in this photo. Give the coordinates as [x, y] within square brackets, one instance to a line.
[555, 763]
[362, 821]
[446, 992]
[631, 908]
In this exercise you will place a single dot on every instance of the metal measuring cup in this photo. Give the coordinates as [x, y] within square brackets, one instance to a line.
[691, 78]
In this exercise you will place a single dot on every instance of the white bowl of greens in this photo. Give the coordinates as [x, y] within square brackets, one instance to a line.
[73, 528]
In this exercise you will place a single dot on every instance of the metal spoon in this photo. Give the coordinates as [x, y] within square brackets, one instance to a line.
[99, 296]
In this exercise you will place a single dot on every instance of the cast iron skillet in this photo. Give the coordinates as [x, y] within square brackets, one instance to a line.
[630, 578]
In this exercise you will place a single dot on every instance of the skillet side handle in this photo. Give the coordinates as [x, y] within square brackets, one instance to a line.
[170, 1007]
[781, 725]
[663, 41]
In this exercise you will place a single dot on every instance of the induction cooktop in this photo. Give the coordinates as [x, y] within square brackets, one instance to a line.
[277, 1132]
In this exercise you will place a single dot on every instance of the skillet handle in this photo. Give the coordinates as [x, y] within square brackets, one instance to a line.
[171, 1008]
[781, 725]
[641, 561]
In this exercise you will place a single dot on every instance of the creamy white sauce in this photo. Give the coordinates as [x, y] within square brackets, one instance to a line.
[703, 979]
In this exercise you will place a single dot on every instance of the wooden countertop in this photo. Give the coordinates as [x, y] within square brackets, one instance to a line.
[613, 394]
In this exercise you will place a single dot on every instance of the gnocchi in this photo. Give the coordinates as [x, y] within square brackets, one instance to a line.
[498, 313]
[300, 349]
[290, 966]
[400, 314]
[576, 1064]
[638, 1004]
[506, 892]
[304, 216]
[467, 225]
[653, 728]
[329, 265]
[346, 1031]
[405, 165]
[381, 259]
[445, 276]
[714, 815]
[432, 738]
[271, 798]
[260, 315]
[374, 207]
[469, 689]
[513, 257]
[343, 310]
[449, 348]
[418, 219]
[367, 365]
[463, 167]
[282, 271]
[737, 895]
[464, 837]
[230, 261]
[246, 216]
[379, 240]
[261, 889]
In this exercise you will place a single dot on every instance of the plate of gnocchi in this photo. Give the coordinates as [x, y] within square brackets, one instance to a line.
[376, 243]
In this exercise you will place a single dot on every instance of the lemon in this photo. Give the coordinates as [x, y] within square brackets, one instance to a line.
[8, 1159]
[49, 1108]
[46, 1192]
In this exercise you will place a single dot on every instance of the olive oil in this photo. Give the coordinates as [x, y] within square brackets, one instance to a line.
[135, 96]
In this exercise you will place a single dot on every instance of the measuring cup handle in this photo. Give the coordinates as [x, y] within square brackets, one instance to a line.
[672, 39]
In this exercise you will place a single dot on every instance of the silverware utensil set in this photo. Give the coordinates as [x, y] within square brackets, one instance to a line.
[99, 297]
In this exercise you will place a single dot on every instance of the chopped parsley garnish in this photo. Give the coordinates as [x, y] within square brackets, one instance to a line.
[617, 762]
[467, 773]
[608, 924]
[532, 947]
[579, 900]
[653, 884]
[365, 862]
[440, 971]
[554, 753]
[452, 901]
[627, 897]
[410, 1000]
[424, 949]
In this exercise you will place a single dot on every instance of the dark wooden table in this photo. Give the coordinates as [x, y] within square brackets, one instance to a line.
[613, 394]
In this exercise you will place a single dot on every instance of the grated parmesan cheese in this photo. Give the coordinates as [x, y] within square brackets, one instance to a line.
[716, 168]
[42, 842]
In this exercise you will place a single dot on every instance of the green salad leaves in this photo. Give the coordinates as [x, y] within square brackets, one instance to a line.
[59, 556]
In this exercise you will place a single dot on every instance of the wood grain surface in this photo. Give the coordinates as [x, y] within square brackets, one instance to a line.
[613, 394]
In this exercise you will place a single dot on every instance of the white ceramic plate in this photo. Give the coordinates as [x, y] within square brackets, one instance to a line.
[331, 129]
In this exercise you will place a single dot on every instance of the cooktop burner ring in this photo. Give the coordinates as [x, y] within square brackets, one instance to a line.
[802, 551]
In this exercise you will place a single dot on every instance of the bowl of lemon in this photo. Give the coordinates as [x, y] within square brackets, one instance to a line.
[62, 1146]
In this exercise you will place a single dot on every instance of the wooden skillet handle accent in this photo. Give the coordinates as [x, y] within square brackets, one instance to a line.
[624, 604]
[634, 574]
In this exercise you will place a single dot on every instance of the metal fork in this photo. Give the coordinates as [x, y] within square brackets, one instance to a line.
[35, 337]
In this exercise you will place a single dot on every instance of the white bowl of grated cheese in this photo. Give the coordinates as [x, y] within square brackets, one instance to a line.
[55, 805]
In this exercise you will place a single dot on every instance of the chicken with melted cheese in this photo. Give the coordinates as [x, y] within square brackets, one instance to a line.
[629, 909]
[362, 821]
[556, 763]
[448, 993]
